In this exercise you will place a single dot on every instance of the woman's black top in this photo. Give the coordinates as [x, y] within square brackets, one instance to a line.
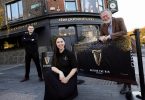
[65, 61]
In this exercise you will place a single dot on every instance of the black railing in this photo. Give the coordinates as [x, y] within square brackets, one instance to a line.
[140, 63]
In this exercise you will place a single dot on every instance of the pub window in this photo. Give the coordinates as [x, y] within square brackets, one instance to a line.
[100, 5]
[94, 6]
[67, 31]
[70, 5]
[14, 10]
[11, 43]
[90, 33]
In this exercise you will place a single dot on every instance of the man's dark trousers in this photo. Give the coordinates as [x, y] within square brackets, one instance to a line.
[35, 57]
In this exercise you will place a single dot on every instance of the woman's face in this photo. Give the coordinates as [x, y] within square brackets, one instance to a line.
[60, 43]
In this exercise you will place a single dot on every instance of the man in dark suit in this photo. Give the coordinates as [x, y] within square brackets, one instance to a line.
[31, 49]
[113, 29]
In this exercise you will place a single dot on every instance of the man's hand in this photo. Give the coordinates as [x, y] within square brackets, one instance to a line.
[108, 37]
[102, 38]
[32, 39]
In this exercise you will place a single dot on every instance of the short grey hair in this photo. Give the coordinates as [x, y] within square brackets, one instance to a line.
[108, 10]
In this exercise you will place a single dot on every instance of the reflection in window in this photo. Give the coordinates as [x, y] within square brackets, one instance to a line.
[90, 33]
[20, 8]
[100, 5]
[15, 13]
[7, 45]
[10, 43]
[66, 31]
[70, 5]
[9, 12]
[14, 10]
[94, 6]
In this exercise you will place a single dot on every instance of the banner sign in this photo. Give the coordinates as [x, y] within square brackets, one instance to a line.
[110, 61]
[46, 59]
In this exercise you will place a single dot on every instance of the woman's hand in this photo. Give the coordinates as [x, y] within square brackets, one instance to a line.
[65, 80]
[68, 77]
[62, 78]
[59, 72]
[61, 75]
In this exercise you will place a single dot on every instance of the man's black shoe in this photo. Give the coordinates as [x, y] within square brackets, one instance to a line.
[40, 79]
[139, 96]
[80, 82]
[125, 90]
[128, 95]
[25, 79]
[119, 83]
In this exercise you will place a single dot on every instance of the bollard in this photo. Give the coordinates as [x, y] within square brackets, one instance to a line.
[46, 60]
[140, 64]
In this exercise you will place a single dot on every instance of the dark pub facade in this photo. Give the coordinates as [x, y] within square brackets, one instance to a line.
[75, 20]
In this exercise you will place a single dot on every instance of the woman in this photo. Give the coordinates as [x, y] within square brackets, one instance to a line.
[62, 76]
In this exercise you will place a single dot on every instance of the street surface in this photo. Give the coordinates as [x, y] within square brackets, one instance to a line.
[92, 89]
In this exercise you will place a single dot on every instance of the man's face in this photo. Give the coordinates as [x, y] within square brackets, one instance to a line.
[106, 17]
[30, 29]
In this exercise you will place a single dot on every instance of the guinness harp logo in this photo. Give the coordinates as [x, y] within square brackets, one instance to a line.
[47, 59]
[97, 56]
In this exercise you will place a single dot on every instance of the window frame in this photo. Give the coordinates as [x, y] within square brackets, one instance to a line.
[11, 43]
[102, 6]
[10, 4]
[73, 1]
[83, 4]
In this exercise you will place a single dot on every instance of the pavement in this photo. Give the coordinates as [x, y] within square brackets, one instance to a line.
[92, 89]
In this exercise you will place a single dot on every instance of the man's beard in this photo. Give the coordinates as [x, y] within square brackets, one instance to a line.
[108, 21]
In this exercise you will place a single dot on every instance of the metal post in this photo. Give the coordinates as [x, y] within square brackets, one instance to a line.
[140, 64]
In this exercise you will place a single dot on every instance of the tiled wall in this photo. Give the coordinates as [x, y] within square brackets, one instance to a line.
[12, 57]
[16, 56]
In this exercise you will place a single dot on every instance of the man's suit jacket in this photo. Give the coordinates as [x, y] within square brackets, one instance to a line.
[118, 28]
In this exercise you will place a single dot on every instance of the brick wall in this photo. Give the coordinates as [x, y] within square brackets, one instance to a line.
[29, 12]
[55, 5]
